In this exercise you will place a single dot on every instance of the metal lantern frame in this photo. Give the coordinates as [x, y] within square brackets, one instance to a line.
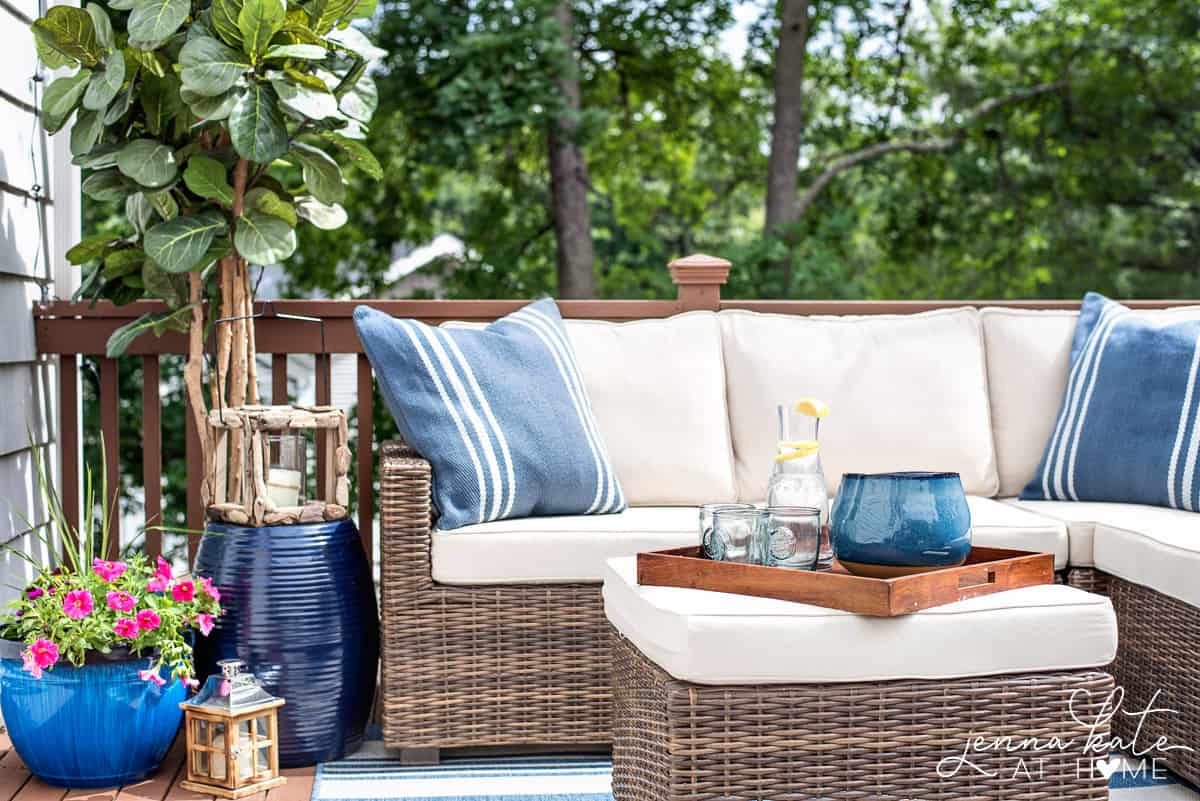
[248, 427]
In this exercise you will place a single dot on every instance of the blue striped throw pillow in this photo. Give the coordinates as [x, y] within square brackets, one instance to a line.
[1129, 426]
[501, 413]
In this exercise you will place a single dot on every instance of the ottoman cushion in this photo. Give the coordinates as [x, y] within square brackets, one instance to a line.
[719, 638]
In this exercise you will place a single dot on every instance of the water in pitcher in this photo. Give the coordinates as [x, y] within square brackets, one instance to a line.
[796, 475]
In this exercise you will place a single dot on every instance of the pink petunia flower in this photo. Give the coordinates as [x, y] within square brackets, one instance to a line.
[109, 571]
[78, 604]
[191, 682]
[183, 591]
[148, 620]
[34, 593]
[151, 674]
[45, 653]
[163, 570]
[29, 664]
[126, 627]
[156, 584]
[205, 622]
[120, 601]
[210, 589]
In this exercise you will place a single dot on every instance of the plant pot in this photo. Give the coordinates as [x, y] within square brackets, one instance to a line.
[916, 519]
[94, 726]
[300, 612]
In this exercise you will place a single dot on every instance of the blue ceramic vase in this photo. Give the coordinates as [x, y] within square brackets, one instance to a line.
[300, 612]
[93, 726]
[901, 519]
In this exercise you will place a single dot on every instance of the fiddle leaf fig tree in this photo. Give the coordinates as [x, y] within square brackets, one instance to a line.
[221, 125]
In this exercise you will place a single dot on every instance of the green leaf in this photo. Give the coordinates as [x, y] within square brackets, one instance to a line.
[152, 22]
[306, 79]
[178, 245]
[164, 204]
[70, 32]
[151, 61]
[121, 5]
[209, 68]
[160, 102]
[256, 125]
[139, 212]
[63, 94]
[98, 157]
[161, 284]
[324, 14]
[206, 177]
[151, 322]
[86, 131]
[361, 101]
[90, 248]
[304, 102]
[356, 152]
[119, 263]
[266, 201]
[325, 216]
[103, 26]
[119, 107]
[150, 163]
[105, 83]
[322, 175]
[306, 52]
[356, 41]
[224, 21]
[364, 9]
[259, 20]
[214, 108]
[263, 238]
[107, 185]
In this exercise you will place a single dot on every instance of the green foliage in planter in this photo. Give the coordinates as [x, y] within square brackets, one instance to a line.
[219, 124]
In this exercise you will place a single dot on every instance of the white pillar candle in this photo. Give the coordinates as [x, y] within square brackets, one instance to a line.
[283, 486]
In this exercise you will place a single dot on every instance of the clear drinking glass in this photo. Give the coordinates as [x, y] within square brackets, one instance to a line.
[794, 539]
[706, 524]
[740, 535]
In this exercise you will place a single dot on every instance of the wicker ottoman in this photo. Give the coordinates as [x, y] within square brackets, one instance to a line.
[729, 697]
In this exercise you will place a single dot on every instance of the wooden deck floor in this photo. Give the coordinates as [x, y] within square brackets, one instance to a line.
[17, 785]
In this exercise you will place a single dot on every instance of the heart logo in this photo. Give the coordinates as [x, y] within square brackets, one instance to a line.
[1107, 767]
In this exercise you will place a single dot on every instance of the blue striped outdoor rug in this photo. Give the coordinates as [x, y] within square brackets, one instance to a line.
[375, 775]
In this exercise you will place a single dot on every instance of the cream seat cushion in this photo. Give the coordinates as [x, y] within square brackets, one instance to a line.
[1153, 546]
[717, 638]
[554, 550]
[907, 392]
[557, 550]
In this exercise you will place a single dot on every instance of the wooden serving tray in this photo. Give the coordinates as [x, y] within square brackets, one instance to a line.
[987, 570]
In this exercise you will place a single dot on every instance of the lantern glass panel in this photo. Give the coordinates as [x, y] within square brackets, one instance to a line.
[200, 764]
[261, 723]
[217, 738]
[263, 763]
[286, 470]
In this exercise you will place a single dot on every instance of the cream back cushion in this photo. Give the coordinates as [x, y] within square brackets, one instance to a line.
[658, 392]
[907, 392]
[1028, 360]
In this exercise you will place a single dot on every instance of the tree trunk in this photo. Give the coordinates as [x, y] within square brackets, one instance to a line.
[569, 181]
[788, 125]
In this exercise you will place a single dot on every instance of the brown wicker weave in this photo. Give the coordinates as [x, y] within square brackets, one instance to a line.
[676, 741]
[480, 666]
[1158, 652]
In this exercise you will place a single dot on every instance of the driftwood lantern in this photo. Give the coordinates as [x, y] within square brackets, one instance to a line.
[259, 466]
[232, 731]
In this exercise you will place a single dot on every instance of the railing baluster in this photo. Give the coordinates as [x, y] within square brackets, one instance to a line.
[279, 382]
[195, 505]
[366, 455]
[152, 454]
[324, 394]
[68, 437]
[110, 427]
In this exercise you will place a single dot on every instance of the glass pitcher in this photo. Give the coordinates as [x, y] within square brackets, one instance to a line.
[796, 475]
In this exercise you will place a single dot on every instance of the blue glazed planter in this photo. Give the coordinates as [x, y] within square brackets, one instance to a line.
[300, 612]
[94, 726]
[901, 519]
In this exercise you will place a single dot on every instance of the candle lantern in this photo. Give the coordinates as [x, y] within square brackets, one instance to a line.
[258, 472]
[232, 730]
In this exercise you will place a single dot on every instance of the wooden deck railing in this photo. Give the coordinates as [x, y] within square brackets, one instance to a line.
[71, 330]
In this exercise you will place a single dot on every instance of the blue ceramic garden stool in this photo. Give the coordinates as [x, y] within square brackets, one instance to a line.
[99, 725]
[301, 613]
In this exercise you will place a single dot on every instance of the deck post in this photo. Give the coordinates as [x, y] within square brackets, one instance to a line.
[698, 279]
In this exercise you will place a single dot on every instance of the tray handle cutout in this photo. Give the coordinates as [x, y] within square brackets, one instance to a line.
[973, 579]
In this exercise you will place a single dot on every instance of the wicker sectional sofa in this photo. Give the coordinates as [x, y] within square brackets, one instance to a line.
[495, 634]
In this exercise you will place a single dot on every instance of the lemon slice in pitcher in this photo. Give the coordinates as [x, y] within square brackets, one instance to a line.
[796, 450]
[811, 407]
